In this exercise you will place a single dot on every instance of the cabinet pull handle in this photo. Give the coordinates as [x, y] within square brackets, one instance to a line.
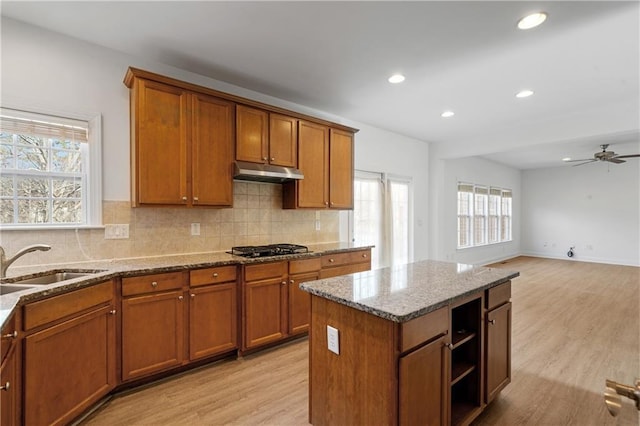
[273, 159]
[180, 297]
[5, 387]
[112, 312]
[364, 255]
[11, 335]
[193, 295]
[264, 158]
[215, 275]
[195, 199]
[326, 203]
[449, 345]
[154, 284]
[291, 281]
[492, 321]
[331, 260]
[184, 198]
[283, 283]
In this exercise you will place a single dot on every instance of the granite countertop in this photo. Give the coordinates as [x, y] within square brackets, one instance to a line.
[101, 270]
[404, 292]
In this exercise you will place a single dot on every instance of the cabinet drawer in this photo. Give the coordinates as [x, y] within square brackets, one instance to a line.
[304, 265]
[337, 259]
[424, 328]
[219, 274]
[9, 335]
[151, 283]
[344, 270]
[58, 307]
[265, 271]
[499, 295]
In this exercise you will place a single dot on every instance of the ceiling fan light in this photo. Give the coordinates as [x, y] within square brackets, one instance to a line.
[566, 159]
[532, 20]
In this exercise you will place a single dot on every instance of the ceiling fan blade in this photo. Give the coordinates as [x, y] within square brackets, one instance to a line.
[577, 161]
[627, 156]
[615, 160]
[585, 162]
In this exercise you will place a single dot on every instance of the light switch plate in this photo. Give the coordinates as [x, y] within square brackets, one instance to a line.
[333, 340]
[195, 228]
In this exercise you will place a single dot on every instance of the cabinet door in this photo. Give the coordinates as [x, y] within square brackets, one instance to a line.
[212, 320]
[299, 303]
[313, 161]
[283, 140]
[424, 387]
[152, 333]
[498, 373]
[8, 391]
[252, 127]
[264, 312]
[341, 170]
[212, 151]
[159, 150]
[68, 367]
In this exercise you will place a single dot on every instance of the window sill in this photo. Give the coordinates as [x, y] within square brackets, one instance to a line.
[47, 227]
[483, 245]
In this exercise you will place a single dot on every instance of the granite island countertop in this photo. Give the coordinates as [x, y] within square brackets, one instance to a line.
[401, 293]
[102, 270]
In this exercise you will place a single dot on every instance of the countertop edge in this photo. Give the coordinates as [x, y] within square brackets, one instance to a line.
[411, 315]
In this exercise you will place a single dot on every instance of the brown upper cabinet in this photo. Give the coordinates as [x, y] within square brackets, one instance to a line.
[183, 138]
[181, 146]
[325, 157]
[266, 138]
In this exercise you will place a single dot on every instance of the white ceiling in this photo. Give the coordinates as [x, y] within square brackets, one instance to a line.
[583, 64]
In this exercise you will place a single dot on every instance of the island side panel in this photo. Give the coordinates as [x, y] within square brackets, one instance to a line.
[358, 386]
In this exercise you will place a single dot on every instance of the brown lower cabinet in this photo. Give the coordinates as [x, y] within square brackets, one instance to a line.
[158, 319]
[9, 389]
[274, 307]
[438, 369]
[69, 354]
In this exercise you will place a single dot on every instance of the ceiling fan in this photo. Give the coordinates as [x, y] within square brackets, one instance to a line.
[605, 155]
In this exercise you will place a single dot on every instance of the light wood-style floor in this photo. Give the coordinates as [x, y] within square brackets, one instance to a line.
[574, 325]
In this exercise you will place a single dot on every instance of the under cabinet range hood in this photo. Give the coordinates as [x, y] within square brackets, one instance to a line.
[244, 170]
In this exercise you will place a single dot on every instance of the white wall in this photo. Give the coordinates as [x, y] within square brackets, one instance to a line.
[385, 152]
[46, 71]
[445, 175]
[595, 207]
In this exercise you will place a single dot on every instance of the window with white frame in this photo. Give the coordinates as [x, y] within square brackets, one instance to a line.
[49, 170]
[484, 215]
[382, 217]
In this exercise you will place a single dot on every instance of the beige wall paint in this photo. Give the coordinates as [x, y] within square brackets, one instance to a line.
[256, 218]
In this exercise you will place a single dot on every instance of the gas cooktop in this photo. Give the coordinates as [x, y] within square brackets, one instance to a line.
[268, 250]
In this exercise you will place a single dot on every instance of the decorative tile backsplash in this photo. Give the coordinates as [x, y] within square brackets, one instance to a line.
[257, 217]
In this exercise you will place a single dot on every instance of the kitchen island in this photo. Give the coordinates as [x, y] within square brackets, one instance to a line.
[423, 343]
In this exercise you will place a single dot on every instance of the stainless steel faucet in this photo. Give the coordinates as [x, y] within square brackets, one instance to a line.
[5, 263]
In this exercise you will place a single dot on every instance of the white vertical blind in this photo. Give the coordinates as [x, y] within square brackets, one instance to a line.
[368, 213]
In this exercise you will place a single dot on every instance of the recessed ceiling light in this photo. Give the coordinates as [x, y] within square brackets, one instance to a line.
[532, 21]
[396, 78]
[447, 114]
[566, 159]
[524, 93]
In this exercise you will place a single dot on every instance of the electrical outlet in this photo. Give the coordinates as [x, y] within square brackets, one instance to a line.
[195, 229]
[317, 225]
[116, 231]
[333, 340]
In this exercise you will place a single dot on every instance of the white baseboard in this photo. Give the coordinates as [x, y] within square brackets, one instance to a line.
[580, 258]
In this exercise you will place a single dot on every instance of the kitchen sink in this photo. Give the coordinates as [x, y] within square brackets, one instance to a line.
[8, 288]
[52, 278]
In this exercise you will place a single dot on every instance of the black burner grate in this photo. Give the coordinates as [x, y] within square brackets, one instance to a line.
[268, 250]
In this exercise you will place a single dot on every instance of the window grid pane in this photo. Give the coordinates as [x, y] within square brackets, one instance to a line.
[42, 180]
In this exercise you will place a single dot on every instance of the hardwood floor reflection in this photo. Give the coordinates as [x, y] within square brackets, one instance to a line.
[574, 325]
